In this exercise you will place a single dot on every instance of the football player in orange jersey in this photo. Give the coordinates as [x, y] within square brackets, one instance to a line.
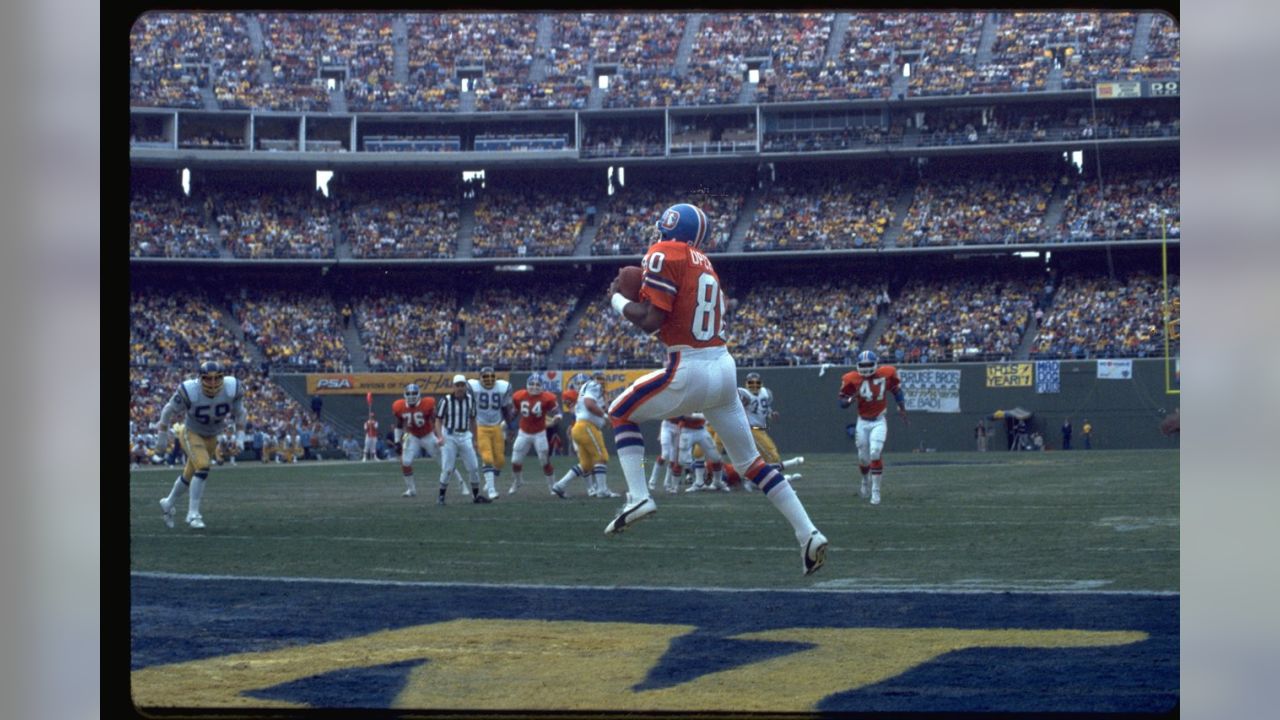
[870, 384]
[535, 407]
[681, 302]
[370, 438]
[414, 422]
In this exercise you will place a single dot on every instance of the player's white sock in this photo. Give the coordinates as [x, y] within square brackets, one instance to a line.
[657, 467]
[197, 492]
[490, 478]
[179, 488]
[602, 485]
[632, 461]
[784, 497]
[563, 482]
[410, 485]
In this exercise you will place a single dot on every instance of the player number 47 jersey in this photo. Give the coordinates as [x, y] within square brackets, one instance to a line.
[870, 391]
[680, 280]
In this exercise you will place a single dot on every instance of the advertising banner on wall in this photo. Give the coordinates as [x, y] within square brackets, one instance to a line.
[1048, 376]
[430, 383]
[1115, 369]
[1009, 375]
[931, 390]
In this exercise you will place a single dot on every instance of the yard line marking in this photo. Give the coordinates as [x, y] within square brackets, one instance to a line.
[932, 589]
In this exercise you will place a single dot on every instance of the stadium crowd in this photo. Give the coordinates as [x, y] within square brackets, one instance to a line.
[987, 208]
[177, 328]
[625, 228]
[804, 319]
[409, 224]
[279, 224]
[603, 339]
[297, 331]
[536, 222]
[1131, 204]
[958, 320]
[404, 332]
[622, 140]
[516, 326]
[1102, 317]
[167, 224]
[216, 51]
[819, 213]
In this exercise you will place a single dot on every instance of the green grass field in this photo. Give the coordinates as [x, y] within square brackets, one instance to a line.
[1101, 520]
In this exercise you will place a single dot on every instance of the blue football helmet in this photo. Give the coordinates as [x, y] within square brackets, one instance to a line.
[534, 384]
[412, 394]
[211, 378]
[867, 362]
[683, 222]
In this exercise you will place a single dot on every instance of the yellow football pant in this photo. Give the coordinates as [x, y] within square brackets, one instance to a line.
[199, 448]
[491, 439]
[590, 443]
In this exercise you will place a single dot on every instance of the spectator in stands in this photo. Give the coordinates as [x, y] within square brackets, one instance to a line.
[407, 333]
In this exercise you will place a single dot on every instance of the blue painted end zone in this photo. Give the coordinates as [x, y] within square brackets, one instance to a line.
[177, 620]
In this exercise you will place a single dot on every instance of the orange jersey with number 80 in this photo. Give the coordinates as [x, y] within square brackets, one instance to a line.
[871, 391]
[680, 280]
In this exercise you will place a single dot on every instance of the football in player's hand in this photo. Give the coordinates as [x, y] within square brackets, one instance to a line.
[629, 278]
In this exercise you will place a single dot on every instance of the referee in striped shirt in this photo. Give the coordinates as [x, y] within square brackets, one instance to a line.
[455, 431]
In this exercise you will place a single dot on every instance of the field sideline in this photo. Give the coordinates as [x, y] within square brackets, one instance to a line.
[1042, 582]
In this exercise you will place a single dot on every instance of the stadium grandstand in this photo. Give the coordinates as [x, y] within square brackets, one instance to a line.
[346, 209]
[435, 191]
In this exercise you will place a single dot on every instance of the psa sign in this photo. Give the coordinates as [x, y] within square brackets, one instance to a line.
[431, 383]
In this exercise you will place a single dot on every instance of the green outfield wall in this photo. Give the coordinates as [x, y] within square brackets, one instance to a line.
[1125, 412]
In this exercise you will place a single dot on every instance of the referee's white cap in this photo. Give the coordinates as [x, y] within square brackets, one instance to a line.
[459, 378]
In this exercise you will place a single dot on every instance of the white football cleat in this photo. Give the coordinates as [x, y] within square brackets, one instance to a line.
[514, 487]
[694, 487]
[865, 489]
[793, 477]
[195, 521]
[631, 514]
[491, 493]
[799, 459]
[721, 485]
[558, 491]
[875, 496]
[814, 552]
[606, 493]
[166, 507]
[408, 493]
